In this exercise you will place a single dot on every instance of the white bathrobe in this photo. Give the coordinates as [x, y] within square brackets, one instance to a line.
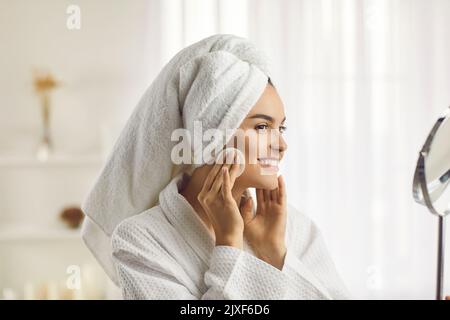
[166, 252]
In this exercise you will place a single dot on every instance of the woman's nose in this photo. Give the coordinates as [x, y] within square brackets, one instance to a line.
[279, 144]
[283, 144]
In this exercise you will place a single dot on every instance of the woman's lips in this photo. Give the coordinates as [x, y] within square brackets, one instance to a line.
[269, 164]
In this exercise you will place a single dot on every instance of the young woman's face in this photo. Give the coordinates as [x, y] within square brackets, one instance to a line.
[264, 145]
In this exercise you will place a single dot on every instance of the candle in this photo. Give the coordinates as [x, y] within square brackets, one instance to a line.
[52, 291]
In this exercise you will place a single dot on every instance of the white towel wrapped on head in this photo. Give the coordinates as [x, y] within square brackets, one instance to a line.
[216, 82]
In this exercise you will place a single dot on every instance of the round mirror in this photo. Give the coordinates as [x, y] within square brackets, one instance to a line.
[431, 181]
[432, 175]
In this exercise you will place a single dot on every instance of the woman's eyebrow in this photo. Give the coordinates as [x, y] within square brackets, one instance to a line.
[264, 116]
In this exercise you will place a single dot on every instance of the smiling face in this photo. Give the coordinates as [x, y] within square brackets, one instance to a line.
[264, 145]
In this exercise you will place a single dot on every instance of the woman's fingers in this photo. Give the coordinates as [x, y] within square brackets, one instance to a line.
[281, 190]
[260, 199]
[226, 187]
[246, 209]
[234, 169]
[266, 195]
[215, 188]
[213, 174]
[210, 178]
[259, 195]
[217, 182]
[274, 195]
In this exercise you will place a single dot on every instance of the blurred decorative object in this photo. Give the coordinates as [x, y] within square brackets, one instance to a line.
[72, 216]
[29, 291]
[69, 294]
[9, 294]
[51, 290]
[92, 283]
[92, 288]
[44, 83]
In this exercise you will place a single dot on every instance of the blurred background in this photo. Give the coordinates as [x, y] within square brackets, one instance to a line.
[362, 82]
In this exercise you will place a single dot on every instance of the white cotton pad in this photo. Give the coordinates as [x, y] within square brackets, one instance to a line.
[224, 157]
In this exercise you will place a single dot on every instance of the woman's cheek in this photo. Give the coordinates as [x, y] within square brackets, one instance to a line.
[251, 152]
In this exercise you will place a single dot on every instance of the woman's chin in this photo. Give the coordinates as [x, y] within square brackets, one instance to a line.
[269, 182]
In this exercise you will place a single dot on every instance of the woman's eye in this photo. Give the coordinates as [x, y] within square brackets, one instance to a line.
[262, 127]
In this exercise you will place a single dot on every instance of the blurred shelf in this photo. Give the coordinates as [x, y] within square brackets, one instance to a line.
[53, 161]
[12, 232]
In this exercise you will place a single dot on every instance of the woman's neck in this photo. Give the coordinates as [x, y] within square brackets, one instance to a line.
[193, 187]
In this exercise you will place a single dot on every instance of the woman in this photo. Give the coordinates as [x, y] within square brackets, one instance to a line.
[202, 237]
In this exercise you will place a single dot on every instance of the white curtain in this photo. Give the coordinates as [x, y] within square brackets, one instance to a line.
[362, 83]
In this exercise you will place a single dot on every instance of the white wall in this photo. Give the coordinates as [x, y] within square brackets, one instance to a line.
[104, 67]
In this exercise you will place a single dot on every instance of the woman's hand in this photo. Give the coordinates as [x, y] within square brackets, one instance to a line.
[266, 231]
[217, 200]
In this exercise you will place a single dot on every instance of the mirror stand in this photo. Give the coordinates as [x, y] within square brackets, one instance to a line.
[440, 259]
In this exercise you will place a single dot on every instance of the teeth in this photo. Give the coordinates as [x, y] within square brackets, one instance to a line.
[269, 162]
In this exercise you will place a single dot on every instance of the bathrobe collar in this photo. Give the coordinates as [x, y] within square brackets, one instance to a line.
[185, 219]
[182, 216]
